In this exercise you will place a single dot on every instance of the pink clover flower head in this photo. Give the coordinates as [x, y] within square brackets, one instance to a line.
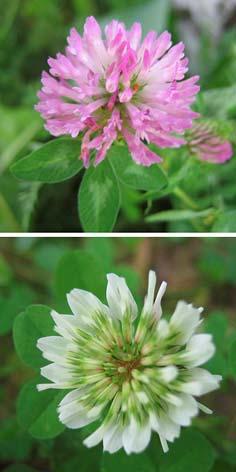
[207, 145]
[116, 86]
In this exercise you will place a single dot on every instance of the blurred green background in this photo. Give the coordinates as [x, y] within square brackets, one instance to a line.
[32, 30]
[42, 270]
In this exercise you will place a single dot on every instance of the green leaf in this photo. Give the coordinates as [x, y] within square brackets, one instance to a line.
[34, 323]
[79, 269]
[5, 272]
[99, 198]
[120, 461]
[232, 357]
[66, 460]
[37, 411]
[154, 15]
[48, 254]
[226, 223]
[219, 102]
[15, 134]
[104, 249]
[18, 297]
[8, 221]
[19, 468]
[222, 466]
[134, 175]
[218, 364]
[83, 462]
[177, 215]
[210, 264]
[54, 162]
[217, 262]
[15, 444]
[29, 193]
[130, 205]
[216, 324]
[191, 452]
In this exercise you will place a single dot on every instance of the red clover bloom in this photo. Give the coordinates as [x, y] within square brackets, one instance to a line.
[207, 145]
[119, 87]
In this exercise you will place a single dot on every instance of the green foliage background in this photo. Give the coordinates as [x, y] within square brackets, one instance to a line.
[35, 274]
[183, 194]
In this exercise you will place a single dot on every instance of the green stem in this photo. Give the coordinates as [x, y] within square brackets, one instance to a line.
[8, 222]
[10, 14]
[185, 198]
[16, 146]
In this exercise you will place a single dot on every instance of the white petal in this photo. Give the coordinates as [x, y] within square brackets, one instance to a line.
[84, 304]
[66, 325]
[200, 382]
[204, 408]
[72, 413]
[154, 421]
[112, 440]
[173, 399]
[57, 373]
[183, 414]
[47, 386]
[155, 424]
[163, 329]
[167, 428]
[184, 321]
[167, 374]
[199, 350]
[149, 299]
[135, 438]
[95, 438]
[73, 395]
[157, 304]
[54, 348]
[71, 402]
[77, 419]
[164, 443]
[119, 297]
[143, 398]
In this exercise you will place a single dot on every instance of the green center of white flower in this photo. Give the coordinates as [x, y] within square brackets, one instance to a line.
[120, 364]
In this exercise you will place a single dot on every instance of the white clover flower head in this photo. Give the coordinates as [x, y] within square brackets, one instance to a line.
[134, 374]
